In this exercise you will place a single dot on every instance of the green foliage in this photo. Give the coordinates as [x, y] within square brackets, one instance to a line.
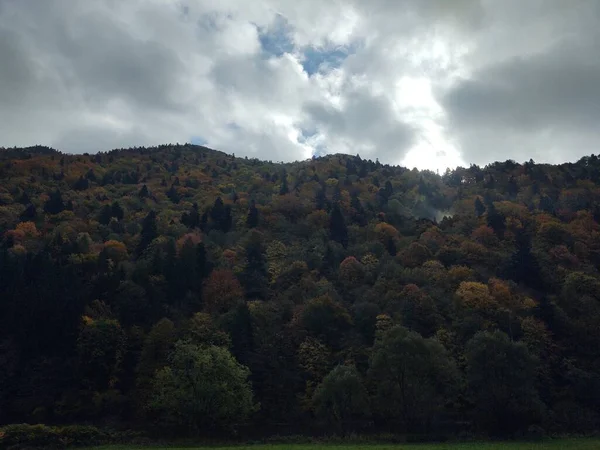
[412, 378]
[341, 399]
[502, 381]
[101, 345]
[41, 436]
[201, 390]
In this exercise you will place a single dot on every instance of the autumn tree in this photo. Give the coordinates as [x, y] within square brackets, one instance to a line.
[222, 291]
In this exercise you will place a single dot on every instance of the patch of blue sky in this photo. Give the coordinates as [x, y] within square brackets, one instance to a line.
[324, 59]
[198, 140]
[306, 134]
[306, 138]
[276, 39]
[319, 151]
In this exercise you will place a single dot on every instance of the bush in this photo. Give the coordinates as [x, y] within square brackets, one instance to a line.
[24, 435]
[81, 435]
[31, 436]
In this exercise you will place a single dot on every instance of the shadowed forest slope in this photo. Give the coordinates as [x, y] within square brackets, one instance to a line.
[187, 288]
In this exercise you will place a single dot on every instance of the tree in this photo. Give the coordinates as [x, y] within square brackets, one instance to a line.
[523, 266]
[501, 379]
[144, 193]
[191, 219]
[254, 275]
[341, 400]
[321, 199]
[326, 319]
[337, 226]
[495, 220]
[116, 211]
[173, 195]
[154, 356]
[479, 207]
[351, 273]
[222, 291]
[283, 190]
[252, 217]
[54, 204]
[149, 231]
[101, 345]
[413, 377]
[202, 390]
[81, 184]
[221, 215]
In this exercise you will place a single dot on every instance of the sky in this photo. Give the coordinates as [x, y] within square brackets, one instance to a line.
[423, 83]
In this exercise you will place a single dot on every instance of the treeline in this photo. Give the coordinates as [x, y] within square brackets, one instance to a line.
[182, 291]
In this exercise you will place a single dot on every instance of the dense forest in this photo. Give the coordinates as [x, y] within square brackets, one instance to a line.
[181, 290]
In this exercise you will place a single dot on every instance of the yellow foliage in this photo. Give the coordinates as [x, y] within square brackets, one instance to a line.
[475, 295]
[370, 261]
[18, 250]
[460, 273]
[318, 219]
[28, 229]
[115, 250]
[383, 322]
[529, 303]
[385, 231]
[87, 320]
[501, 292]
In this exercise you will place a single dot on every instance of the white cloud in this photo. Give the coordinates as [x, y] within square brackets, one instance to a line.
[88, 76]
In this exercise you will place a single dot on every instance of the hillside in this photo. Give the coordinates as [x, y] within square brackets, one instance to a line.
[336, 293]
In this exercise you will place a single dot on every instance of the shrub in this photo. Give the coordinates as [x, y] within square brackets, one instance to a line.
[19, 436]
[24, 435]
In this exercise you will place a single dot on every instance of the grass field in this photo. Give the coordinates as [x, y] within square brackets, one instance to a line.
[566, 444]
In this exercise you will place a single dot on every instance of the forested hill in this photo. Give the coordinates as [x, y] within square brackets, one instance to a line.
[185, 288]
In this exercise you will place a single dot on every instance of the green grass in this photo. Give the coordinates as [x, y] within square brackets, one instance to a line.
[558, 444]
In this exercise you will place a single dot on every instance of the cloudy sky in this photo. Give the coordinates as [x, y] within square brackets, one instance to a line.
[425, 83]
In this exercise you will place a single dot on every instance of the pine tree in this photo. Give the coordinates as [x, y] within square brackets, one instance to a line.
[252, 218]
[284, 185]
[144, 193]
[337, 226]
[479, 207]
[116, 211]
[149, 231]
[54, 204]
[321, 199]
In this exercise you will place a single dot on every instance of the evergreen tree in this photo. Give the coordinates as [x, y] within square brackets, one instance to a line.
[284, 189]
[173, 195]
[479, 207]
[149, 231]
[337, 226]
[144, 193]
[254, 277]
[495, 220]
[29, 214]
[116, 211]
[252, 218]
[321, 199]
[81, 184]
[54, 204]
